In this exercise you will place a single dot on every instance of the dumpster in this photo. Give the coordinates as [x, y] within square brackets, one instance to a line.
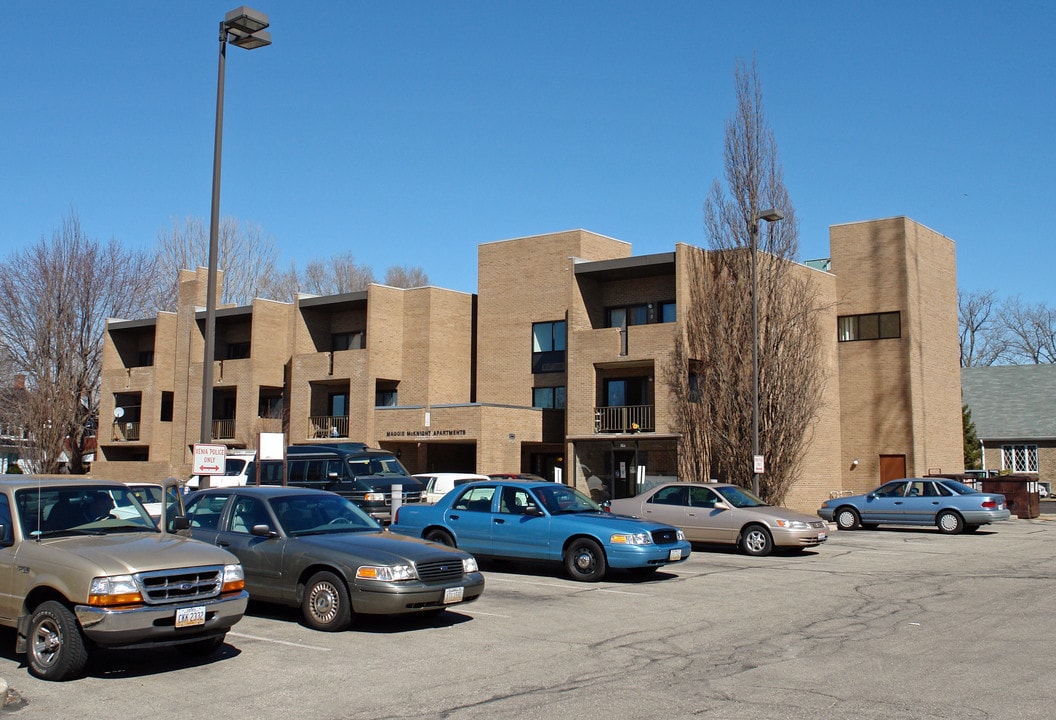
[1020, 491]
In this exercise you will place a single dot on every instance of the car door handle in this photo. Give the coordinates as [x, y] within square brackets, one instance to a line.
[453, 517]
[221, 543]
[498, 521]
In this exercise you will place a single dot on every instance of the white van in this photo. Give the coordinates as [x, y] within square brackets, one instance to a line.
[240, 467]
[441, 483]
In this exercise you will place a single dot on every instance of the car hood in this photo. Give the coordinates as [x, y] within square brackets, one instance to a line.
[612, 522]
[775, 513]
[382, 547]
[121, 553]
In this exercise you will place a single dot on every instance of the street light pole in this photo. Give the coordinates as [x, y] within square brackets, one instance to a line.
[770, 216]
[245, 28]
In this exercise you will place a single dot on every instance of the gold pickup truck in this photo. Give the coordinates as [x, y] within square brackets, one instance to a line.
[83, 565]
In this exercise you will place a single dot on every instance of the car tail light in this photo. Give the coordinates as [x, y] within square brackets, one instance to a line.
[991, 504]
[396, 515]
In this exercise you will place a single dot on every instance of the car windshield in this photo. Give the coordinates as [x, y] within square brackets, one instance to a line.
[739, 497]
[317, 514]
[52, 511]
[561, 500]
[379, 464]
[958, 488]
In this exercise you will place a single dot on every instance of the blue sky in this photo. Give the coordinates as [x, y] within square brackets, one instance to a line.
[410, 132]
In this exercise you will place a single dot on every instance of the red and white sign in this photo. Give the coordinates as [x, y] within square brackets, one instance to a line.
[759, 463]
[209, 459]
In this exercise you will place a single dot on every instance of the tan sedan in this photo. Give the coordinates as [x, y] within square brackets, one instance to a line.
[725, 514]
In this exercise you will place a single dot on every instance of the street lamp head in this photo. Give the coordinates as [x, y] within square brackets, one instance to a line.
[245, 21]
[258, 39]
[772, 215]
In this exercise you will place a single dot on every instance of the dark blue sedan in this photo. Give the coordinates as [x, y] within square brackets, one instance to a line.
[951, 506]
[546, 521]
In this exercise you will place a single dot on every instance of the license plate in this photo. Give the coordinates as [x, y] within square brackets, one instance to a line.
[189, 617]
[675, 554]
[453, 595]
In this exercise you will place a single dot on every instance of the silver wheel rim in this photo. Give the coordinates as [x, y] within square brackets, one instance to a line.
[755, 541]
[47, 642]
[324, 602]
[845, 519]
[948, 522]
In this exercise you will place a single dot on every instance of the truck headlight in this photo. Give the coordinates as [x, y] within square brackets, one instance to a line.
[234, 579]
[469, 565]
[386, 572]
[114, 590]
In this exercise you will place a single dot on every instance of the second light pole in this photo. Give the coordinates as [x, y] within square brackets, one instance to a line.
[758, 462]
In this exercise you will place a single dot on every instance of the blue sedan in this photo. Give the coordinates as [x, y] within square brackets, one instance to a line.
[543, 521]
[951, 506]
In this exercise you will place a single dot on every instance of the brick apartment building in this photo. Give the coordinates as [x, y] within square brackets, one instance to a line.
[544, 370]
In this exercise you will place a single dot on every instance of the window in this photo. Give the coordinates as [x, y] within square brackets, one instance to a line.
[146, 358]
[674, 495]
[548, 347]
[874, 326]
[549, 398]
[237, 350]
[1019, 458]
[347, 341]
[644, 314]
[166, 406]
[548, 336]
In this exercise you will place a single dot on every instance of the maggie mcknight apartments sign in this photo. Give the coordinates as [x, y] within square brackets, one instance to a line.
[425, 433]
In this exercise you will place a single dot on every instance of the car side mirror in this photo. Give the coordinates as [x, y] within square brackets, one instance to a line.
[720, 505]
[262, 531]
[181, 522]
[533, 509]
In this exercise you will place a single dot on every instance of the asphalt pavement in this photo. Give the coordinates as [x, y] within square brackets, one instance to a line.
[884, 624]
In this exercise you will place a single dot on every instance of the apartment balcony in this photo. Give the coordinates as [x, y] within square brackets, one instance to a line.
[327, 426]
[224, 429]
[125, 432]
[625, 419]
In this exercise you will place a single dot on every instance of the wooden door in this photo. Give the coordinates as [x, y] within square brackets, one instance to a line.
[892, 467]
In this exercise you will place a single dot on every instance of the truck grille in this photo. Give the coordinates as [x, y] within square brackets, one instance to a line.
[167, 586]
[440, 571]
[665, 537]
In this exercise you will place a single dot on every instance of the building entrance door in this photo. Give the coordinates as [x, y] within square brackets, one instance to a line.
[624, 473]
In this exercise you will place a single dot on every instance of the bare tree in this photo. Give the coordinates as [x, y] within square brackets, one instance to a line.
[1031, 332]
[340, 274]
[56, 296]
[712, 377]
[405, 276]
[245, 254]
[984, 337]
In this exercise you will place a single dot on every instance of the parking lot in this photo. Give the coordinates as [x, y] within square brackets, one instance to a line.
[874, 624]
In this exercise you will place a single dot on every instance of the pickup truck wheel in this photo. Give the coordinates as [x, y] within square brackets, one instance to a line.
[326, 605]
[56, 647]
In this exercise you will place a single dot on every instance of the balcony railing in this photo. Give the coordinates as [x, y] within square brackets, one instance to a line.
[322, 426]
[224, 429]
[624, 419]
[126, 431]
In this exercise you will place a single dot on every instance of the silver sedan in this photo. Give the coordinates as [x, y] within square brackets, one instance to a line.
[725, 514]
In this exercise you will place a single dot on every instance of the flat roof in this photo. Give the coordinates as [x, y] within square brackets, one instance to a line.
[627, 268]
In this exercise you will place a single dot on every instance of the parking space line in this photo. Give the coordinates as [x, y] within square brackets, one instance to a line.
[277, 642]
[474, 613]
